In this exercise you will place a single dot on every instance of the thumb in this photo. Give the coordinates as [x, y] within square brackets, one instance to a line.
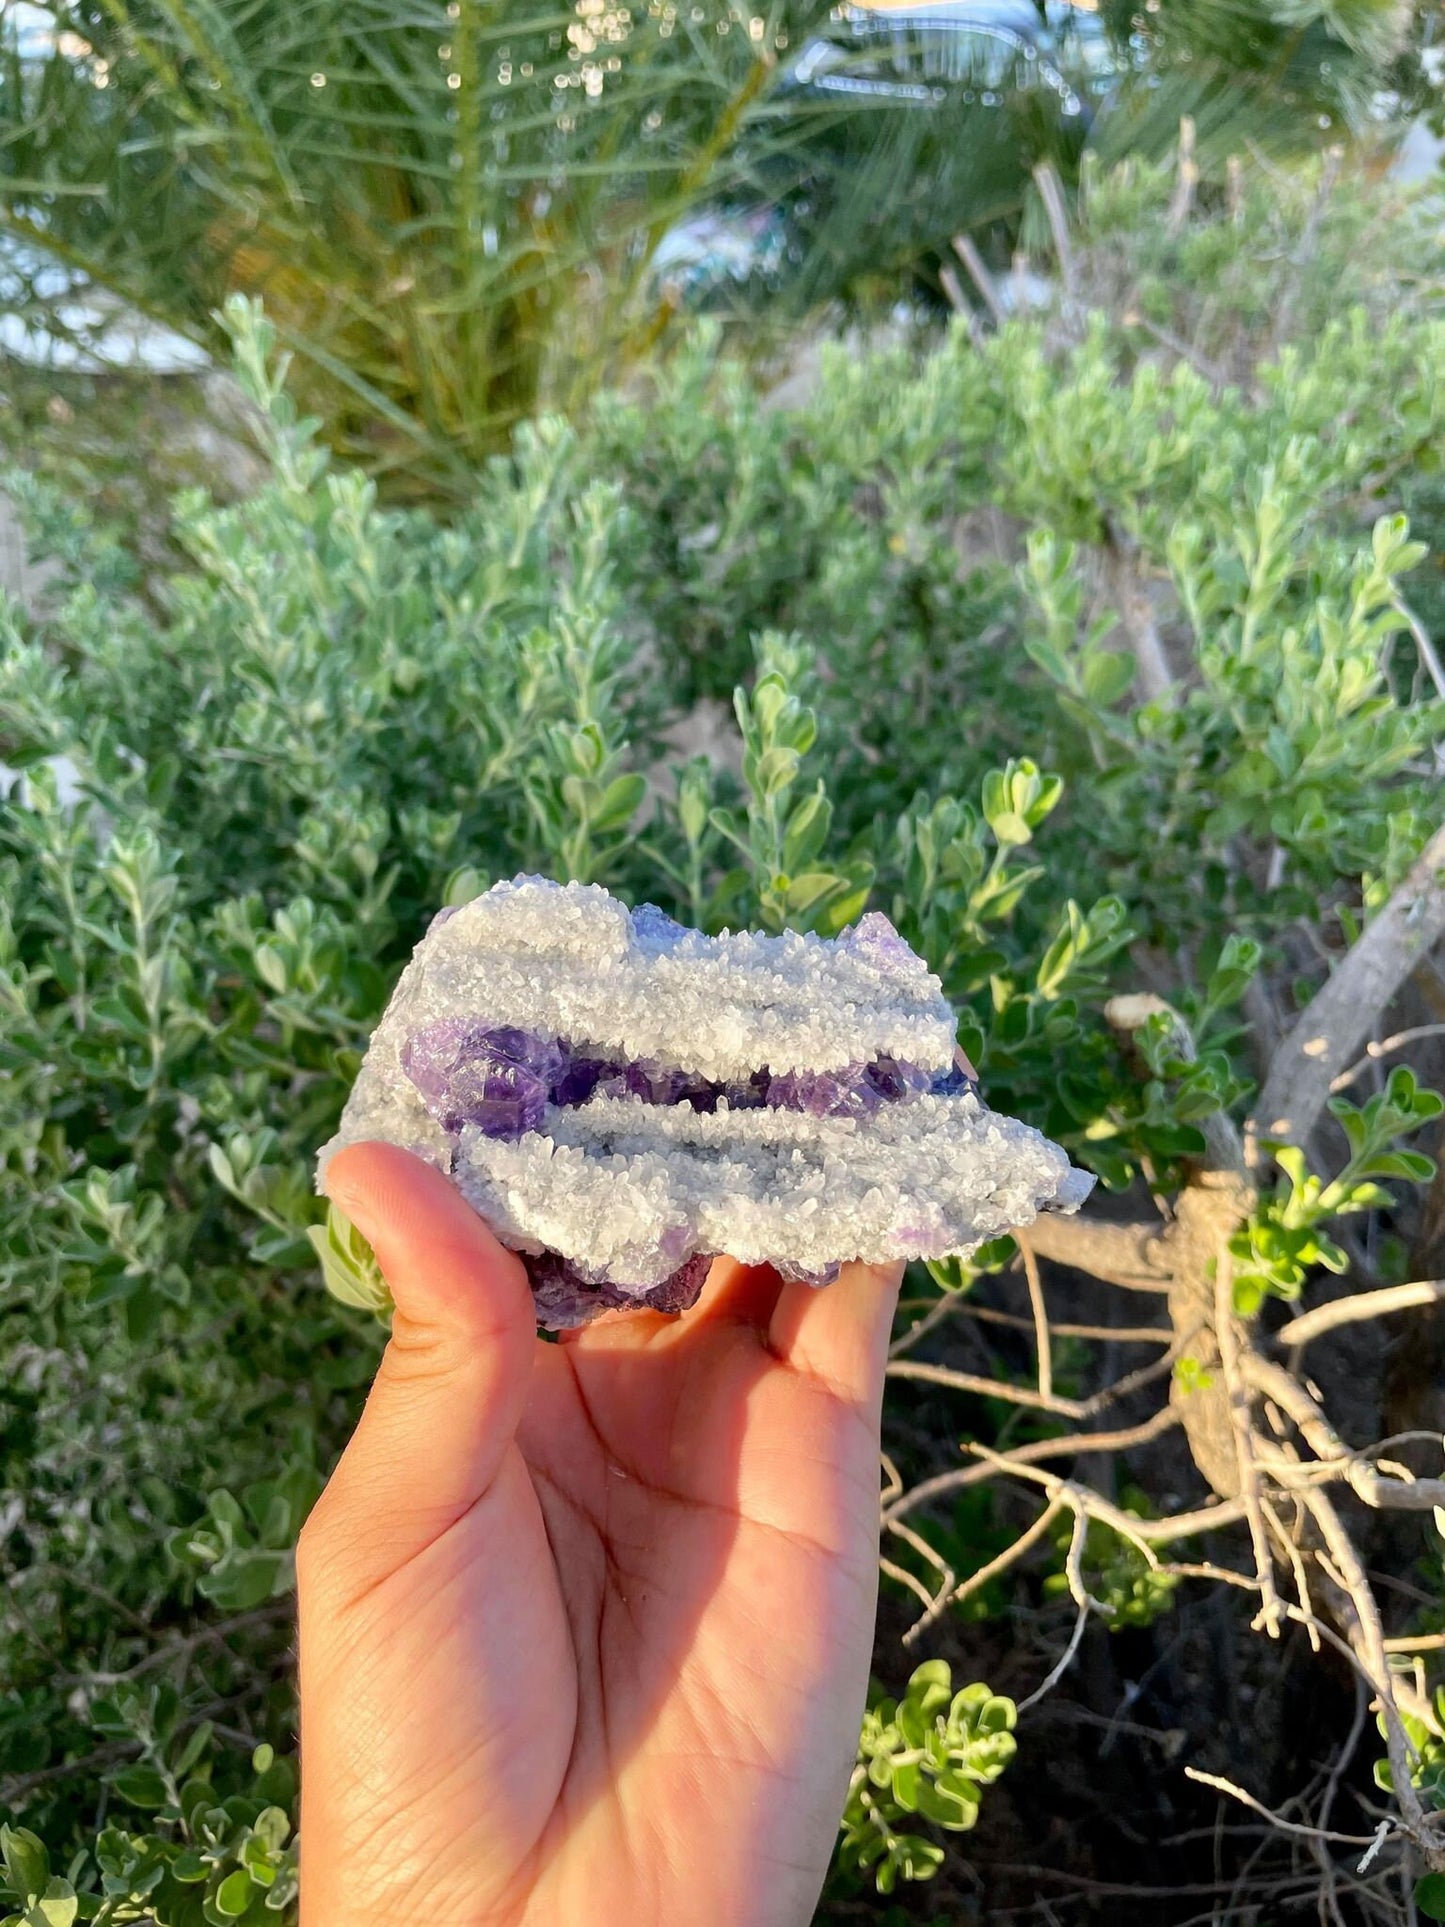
[448, 1395]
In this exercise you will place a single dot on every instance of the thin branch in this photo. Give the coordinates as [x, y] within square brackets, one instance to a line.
[953, 289]
[908, 1579]
[1041, 1316]
[1209, 1569]
[1380, 1494]
[1227, 1336]
[1127, 586]
[1186, 180]
[946, 1306]
[1305, 1832]
[14, 1788]
[1066, 1660]
[976, 1581]
[921, 1546]
[1038, 1449]
[1075, 1408]
[1086, 1603]
[1375, 1051]
[1079, 1497]
[1297, 1567]
[978, 273]
[1051, 193]
[989, 1388]
[1337, 1460]
[892, 1479]
[1345, 1754]
[1423, 644]
[1205, 369]
[1105, 1334]
[1361, 1305]
[1342, 1014]
[1373, 1658]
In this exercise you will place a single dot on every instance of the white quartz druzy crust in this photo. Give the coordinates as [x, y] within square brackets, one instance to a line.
[622, 1098]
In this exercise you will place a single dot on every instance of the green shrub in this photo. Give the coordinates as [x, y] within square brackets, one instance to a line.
[336, 716]
[930, 1754]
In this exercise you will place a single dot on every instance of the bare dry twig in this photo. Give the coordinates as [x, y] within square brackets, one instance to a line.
[1365, 1304]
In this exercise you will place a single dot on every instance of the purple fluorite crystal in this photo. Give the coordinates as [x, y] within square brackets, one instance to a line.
[893, 1078]
[654, 1083]
[842, 1093]
[579, 1077]
[801, 1275]
[682, 1289]
[749, 1096]
[468, 1072]
[874, 935]
[566, 1298]
[658, 1083]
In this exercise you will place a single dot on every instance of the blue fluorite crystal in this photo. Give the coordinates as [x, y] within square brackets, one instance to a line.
[655, 927]
[953, 1082]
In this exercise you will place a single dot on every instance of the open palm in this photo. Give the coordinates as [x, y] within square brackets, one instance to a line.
[585, 1627]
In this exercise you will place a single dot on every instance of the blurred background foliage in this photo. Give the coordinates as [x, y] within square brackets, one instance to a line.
[459, 213]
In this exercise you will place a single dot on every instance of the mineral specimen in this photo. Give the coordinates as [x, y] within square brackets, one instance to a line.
[622, 1098]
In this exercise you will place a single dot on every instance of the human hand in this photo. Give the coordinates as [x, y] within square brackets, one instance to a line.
[585, 1627]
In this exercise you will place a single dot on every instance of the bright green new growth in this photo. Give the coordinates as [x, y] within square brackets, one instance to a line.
[1275, 1252]
[928, 1754]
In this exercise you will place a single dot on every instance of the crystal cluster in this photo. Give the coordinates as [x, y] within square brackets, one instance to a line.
[622, 1098]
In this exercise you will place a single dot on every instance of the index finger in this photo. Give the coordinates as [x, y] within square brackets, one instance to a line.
[839, 1333]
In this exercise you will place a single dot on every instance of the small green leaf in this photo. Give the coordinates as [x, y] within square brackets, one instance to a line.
[194, 1747]
[462, 885]
[233, 1896]
[140, 1786]
[1108, 674]
[348, 1264]
[1430, 1896]
[58, 1907]
[273, 1826]
[620, 802]
[27, 1865]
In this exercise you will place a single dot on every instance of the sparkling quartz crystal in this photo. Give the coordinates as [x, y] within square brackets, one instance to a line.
[620, 1097]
